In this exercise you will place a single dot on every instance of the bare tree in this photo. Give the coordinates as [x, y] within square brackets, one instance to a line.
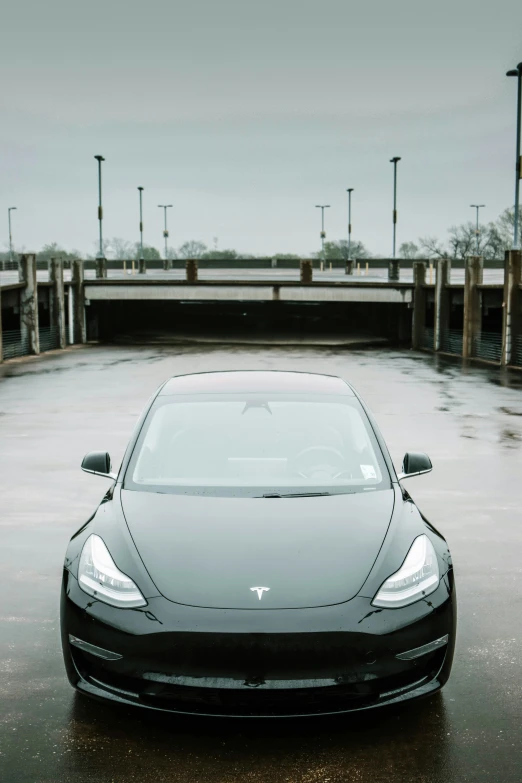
[409, 250]
[505, 225]
[118, 248]
[493, 240]
[54, 250]
[463, 241]
[433, 247]
[192, 249]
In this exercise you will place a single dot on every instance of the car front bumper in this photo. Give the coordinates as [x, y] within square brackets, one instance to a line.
[259, 663]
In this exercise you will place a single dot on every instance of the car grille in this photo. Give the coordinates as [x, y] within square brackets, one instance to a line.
[286, 699]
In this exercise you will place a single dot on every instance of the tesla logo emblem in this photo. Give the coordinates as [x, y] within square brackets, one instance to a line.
[260, 591]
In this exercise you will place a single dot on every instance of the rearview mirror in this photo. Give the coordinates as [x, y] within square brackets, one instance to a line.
[99, 463]
[415, 463]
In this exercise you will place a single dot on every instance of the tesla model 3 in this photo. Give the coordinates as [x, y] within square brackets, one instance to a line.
[256, 554]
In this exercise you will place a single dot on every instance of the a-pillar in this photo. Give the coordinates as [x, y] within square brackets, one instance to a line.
[511, 320]
[78, 294]
[29, 303]
[57, 301]
[419, 304]
[472, 325]
[442, 296]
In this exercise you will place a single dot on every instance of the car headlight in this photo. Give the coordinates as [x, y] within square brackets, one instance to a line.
[416, 578]
[99, 577]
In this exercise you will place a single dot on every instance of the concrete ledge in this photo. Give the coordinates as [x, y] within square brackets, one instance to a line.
[318, 283]
[357, 293]
[242, 292]
[179, 292]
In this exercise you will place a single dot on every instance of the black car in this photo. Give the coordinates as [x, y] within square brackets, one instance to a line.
[257, 555]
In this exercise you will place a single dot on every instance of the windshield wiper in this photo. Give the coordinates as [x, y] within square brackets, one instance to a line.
[295, 495]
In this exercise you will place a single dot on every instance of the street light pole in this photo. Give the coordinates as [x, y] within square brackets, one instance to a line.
[394, 161]
[141, 222]
[477, 231]
[9, 210]
[322, 207]
[99, 158]
[164, 207]
[349, 191]
[518, 165]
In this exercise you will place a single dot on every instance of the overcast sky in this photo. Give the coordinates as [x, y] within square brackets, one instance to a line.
[245, 114]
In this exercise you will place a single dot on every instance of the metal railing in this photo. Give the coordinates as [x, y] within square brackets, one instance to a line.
[14, 344]
[49, 338]
[427, 338]
[487, 345]
[516, 357]
[451, 341]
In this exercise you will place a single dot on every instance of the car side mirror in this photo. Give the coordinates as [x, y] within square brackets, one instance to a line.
[415, 463]
[99, 463]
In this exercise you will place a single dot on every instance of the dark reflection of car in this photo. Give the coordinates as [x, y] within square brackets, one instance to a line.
[257, 555]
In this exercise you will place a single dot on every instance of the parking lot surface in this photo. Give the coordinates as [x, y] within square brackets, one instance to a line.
[55, 408]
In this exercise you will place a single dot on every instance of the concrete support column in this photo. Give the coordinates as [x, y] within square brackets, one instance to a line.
[70, 312]
[29, 302]
[306, 271]
[57, 301]
[191, 270]
[1, 348]
[394, 269]
[419, 304]
[142, 266]
[473, 276]
[442, 278]
[511, 319]
[78, 301]
[101, 267]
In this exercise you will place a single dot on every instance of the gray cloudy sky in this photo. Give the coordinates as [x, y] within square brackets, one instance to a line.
[245, 114]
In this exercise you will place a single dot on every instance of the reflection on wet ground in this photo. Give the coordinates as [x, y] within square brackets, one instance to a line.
[468, 418]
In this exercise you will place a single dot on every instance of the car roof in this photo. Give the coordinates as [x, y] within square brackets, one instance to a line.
[252, 381]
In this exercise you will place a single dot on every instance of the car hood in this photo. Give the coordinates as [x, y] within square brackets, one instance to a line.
[210, 551]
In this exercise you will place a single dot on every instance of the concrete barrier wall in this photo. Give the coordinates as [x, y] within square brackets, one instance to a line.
[282, 263]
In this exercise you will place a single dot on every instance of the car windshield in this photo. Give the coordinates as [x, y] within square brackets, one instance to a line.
[247, 445]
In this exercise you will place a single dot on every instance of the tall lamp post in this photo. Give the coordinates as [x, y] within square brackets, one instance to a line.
[394, 161]
[349, 191]
[164, 207]
[141, 259]
[9, 210]
[322, 207]
[518, 164]
[477, 230]
[100, 159]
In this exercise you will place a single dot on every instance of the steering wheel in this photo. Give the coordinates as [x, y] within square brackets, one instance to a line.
[325, 458]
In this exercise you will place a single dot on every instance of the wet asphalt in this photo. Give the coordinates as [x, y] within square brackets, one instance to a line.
[55, 408]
